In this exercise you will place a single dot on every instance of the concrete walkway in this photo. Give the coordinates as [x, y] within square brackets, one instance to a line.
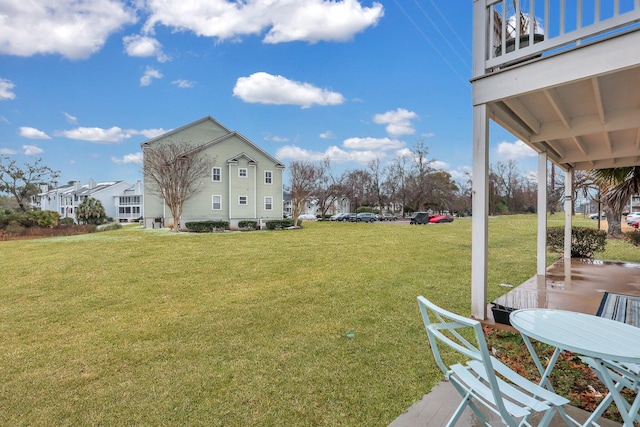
[436, 407]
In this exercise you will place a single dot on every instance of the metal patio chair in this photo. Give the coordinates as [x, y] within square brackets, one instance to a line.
[483, 379]
[623, 375]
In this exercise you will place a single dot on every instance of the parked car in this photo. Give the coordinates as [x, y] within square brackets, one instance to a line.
[348, 217]
[633, 217]
[307, 217]
[335, 217]
[636, 224]
[595, 215]
[388, 217]
[366, 217]
[437, 219]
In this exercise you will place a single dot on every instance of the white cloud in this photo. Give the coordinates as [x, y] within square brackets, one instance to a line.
[73, 29]
[327, 135]
[31, 150]
[71, 119]
[440, 165]
[398, 122]
[263, 88]
[335, 154]
[6, 85]
[461, 174]
[144, 46]
[184, 84]
[404, 152]
[33, 133]
[149, 74]
[285, 20]
[8, 151]
[317, 20]
[531, 176]
[378, 144]
[150, 133]
[132, 158]
[275, 138]
[515, 150]
[98, 135]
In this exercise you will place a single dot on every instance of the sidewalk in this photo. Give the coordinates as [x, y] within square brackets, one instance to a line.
[436, 407]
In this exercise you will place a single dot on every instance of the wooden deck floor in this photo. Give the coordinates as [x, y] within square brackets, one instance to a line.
[578, 285]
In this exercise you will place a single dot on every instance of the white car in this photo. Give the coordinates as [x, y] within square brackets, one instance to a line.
[633, 217]
[307, 217]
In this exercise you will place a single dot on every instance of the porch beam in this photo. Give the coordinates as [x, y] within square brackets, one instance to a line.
[542, 215]
[480, 212]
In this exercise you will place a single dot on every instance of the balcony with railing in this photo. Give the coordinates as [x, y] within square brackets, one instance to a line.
[518, 30]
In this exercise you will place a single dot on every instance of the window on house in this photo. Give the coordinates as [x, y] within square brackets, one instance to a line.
[268, 203]
[216, 203]
[242, 172]
[216, 174]
[243, 200]
[268, 177]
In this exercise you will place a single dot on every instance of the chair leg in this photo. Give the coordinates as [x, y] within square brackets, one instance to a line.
[466, 401]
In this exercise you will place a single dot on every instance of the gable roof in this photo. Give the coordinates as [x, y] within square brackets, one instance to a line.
[215, 141]
[235, 158]
[187, 126]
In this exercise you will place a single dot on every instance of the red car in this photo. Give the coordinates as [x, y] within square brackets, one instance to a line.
[437, 219]
[636, 224]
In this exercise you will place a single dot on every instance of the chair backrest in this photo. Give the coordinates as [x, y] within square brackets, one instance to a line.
[442, 326]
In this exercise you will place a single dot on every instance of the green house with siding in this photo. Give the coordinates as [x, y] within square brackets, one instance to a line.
[244, 182]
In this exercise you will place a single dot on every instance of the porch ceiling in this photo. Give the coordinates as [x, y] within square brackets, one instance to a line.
[582, 107]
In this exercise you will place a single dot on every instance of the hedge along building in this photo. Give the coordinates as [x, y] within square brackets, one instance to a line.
[243, 182]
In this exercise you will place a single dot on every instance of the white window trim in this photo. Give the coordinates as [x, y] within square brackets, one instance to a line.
[246, 173]
[219, 174]
[265, 203]
[270, 176]
[212, 197]
[246, 198]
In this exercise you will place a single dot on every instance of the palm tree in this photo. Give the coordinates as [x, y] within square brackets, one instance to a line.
[617, 185]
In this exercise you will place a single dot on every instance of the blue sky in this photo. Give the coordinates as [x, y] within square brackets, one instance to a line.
[82, 84]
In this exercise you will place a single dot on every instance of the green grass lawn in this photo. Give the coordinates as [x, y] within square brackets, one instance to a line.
[310, 327]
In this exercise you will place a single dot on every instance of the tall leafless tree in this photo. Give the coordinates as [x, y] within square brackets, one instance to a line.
[174, 171]
[328, 188]
[305, 176]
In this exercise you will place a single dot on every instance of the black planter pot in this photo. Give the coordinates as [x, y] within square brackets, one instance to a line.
[501, 313]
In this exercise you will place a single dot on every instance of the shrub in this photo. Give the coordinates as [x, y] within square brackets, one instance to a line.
[632, 237]
[248, 224]
[42, 218]
[280, 224]
[110, 226]
[66, 221]
[207, 226]
[585, 241]
[91, 211]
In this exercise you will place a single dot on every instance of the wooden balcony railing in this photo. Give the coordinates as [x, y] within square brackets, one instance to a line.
[507, 32]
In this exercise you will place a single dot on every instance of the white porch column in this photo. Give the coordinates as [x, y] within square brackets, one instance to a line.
[480, 212]
[541, 269]
[568, 208]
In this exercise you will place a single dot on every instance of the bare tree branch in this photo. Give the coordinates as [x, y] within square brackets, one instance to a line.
[175, 171]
